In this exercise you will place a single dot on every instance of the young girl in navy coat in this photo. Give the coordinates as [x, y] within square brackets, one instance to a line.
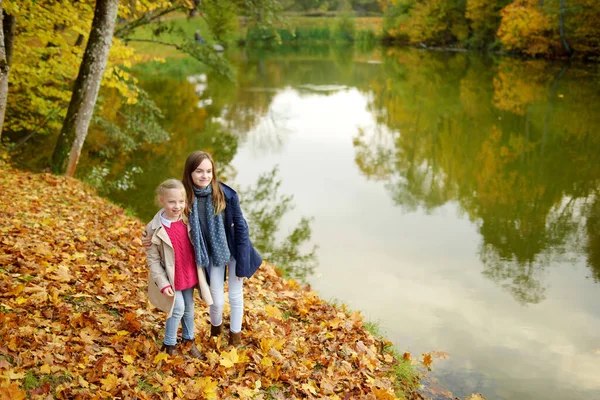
[219, 235]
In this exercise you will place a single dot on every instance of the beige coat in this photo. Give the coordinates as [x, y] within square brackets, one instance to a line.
[161, 263]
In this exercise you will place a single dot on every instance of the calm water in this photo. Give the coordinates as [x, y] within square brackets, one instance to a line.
[455, 198]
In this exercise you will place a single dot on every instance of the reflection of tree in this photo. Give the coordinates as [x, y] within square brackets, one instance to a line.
[520, 279]
[244, 108]
[264, 208]
[593, 236]
[463, 130]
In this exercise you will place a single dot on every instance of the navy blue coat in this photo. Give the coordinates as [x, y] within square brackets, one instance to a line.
[247, 259]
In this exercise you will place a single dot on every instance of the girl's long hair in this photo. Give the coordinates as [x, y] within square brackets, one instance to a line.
[192, 162]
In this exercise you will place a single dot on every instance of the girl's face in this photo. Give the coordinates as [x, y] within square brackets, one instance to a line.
[173, 201]
[203, 174]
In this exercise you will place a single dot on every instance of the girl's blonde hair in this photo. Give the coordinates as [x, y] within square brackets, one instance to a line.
[192, 162]
[170, 184]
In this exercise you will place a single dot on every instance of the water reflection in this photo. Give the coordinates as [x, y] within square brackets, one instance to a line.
[525, 169]
[264, 207]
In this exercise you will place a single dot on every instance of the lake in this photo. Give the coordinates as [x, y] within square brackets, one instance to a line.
[454, 197]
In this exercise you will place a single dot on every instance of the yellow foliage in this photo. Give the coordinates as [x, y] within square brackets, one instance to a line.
[50, 41]
[480, 12]
[518, 84]
[526, 28]
[438, 21]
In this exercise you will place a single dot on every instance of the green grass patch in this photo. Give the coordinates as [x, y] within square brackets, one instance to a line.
[25, 278]
[293, 29]
[145, 386]
[175, 68]
[176, 30]
[372, 328]
[31, 381]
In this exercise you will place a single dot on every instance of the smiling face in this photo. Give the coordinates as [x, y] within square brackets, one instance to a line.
[173, 201]
[203, 174]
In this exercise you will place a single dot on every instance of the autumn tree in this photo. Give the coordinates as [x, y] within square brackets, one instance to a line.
[484, 19]
[438, 22]
[526, 28]
[7, 23]
[85, 91]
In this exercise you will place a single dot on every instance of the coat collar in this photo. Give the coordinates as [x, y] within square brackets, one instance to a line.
[227, 191]
[159, 230]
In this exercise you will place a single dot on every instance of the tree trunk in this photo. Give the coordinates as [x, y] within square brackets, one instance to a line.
[7, 34]
[85, 91]
[563, 39]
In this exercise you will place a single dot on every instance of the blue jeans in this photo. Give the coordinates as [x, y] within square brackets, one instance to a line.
[183, 311]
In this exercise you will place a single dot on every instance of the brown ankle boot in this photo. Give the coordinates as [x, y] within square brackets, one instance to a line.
[235, 338]
[216, 330]
[193, 350]
[170, 350]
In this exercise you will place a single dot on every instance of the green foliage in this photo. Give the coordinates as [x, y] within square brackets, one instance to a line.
[222, 18]
[345, 24]
[313, 34]
[130, 125]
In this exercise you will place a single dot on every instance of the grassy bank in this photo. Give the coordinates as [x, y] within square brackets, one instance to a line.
[293, 29]
[75, 321]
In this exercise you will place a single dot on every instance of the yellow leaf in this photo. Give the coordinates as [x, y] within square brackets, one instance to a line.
[62, 274]
[245, 393]
[110, 382]
[208, 387]
[475, 396]
[21, 300]
[228, 359]
[11, 374]
[45, 369]
[383, 394]
[122, 333]
[160, 357]
[266, 362]
[310, 387]
[83, 382]
[128, 359]
[273, 311]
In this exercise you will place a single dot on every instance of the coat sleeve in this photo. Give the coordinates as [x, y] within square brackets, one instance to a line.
[243, 246]
[158, 274]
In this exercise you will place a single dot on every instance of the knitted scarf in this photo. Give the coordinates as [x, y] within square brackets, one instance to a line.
[215, 238]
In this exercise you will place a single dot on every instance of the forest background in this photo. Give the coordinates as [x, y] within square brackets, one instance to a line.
[52, 69]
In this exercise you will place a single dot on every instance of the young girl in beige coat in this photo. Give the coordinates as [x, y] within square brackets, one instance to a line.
[173, 271]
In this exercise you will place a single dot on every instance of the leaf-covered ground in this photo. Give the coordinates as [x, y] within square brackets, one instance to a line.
[76, 323]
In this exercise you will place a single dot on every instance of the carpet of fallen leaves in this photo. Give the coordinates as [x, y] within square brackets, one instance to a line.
[76, 323]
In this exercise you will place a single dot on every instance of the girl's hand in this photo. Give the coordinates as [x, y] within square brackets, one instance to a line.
[146, 240]
[168, 292]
